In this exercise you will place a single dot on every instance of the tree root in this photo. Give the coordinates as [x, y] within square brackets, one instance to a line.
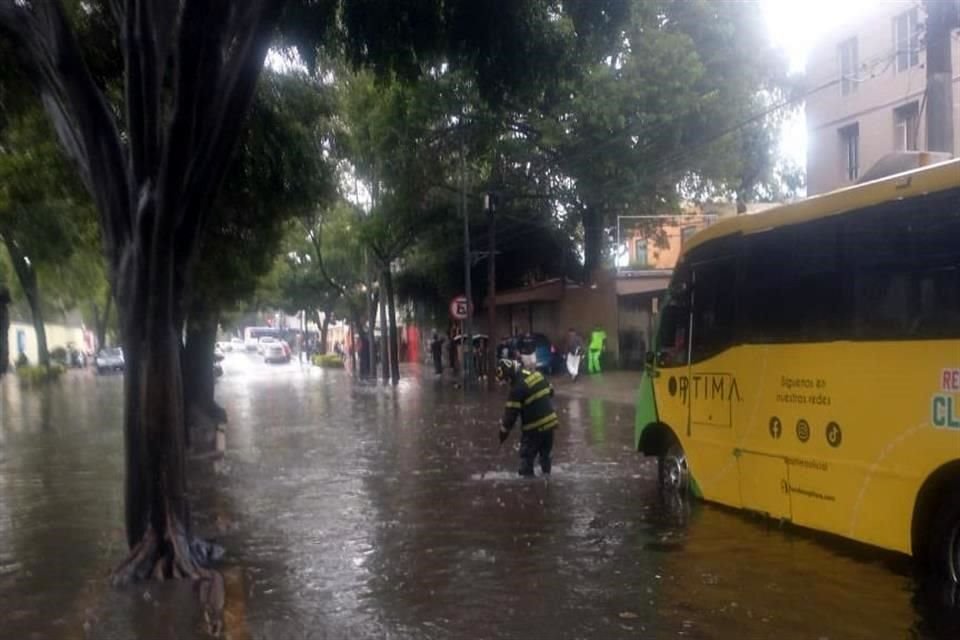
[175, 557]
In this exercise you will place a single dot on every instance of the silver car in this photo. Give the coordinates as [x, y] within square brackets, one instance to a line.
[109, 359]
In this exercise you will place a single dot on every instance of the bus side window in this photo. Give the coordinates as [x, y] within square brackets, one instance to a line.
[714, 309]
[672, 336]
[791, 288]
[905, 260]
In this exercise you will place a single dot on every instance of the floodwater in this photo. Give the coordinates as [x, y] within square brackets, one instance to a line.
[357, 511]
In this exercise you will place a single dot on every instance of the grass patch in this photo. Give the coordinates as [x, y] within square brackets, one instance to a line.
[328, 361]
[32, 376]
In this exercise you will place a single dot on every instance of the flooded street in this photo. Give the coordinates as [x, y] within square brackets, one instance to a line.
[357, 511]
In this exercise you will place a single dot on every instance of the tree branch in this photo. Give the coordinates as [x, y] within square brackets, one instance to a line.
[146, 31]
[230, 99]
[80, 115]
[315, 241]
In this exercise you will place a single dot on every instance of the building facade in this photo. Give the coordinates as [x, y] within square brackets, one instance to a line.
[867, 84]
[22, 338]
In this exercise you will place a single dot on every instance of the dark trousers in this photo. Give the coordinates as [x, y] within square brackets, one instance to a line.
[533, 444]
[437, 362]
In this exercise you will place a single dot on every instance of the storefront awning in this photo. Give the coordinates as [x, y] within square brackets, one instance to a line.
[546, 291]
[645, 283]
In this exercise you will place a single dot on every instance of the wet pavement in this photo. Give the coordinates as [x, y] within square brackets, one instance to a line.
[357, 511]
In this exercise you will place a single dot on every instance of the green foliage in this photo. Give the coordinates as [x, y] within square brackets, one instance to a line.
[510, 49]
[674, 99]
[321, 266]
[328, 361]
[32, 376]
[47, 222]
[279, 173]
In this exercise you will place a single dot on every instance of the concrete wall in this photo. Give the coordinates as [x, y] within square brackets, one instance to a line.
[58, 335]
[586, 307]
[881, 90]
[664, 250]
[581, 307]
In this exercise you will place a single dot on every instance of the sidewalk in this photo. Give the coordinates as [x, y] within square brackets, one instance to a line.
[612, 386]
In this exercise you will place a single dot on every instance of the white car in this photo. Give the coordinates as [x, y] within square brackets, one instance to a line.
[109, 359]
[276, 351]
[263, 342]
[236, 344]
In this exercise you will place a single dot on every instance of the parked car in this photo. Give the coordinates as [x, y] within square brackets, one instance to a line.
[276, 351]
[537, 352]
[508, 348]
[237, 344]
[109, 359]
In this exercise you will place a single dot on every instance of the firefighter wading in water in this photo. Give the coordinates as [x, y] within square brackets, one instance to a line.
[529, 399]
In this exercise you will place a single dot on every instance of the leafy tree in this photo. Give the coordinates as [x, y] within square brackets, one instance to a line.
[154, 154]
[39, 209]
[647, 110]
[184, 96]
[393, 140]
[278, 174]
[321, 269]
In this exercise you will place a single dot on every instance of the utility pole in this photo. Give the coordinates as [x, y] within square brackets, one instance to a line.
[4, 329]
[467, 264]
[942, 17]
[490, 204]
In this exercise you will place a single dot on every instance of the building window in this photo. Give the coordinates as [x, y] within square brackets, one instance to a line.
[685, 234]
[906, 125]
[848, 66]
[850, 139]
[640, 252]
[906, 40]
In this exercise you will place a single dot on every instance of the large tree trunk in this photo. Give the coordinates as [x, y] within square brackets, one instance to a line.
[392, 316]
[201, 410]
[190, 71]
[593, 244]
[370, 353]
[324, 331]
[384, 338]
[31, 290]
[157, 513]
[4, 329]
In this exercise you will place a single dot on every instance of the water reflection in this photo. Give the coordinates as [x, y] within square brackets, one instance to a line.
[358, 510]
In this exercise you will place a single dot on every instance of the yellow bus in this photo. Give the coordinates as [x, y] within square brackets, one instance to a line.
[807, 366]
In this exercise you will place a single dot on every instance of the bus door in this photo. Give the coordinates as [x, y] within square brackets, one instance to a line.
[712, 390]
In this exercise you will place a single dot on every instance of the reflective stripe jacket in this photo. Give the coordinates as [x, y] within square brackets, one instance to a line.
[530, 400]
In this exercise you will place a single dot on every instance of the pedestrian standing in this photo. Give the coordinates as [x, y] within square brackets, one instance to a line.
[436, 350]
[530, 401]
[598, 342]
[574, 353]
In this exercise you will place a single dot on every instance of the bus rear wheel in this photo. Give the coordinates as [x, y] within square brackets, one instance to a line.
[943, 550]
[674, 476]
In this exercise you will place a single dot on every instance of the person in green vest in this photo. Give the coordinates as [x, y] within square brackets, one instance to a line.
[598, 342]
